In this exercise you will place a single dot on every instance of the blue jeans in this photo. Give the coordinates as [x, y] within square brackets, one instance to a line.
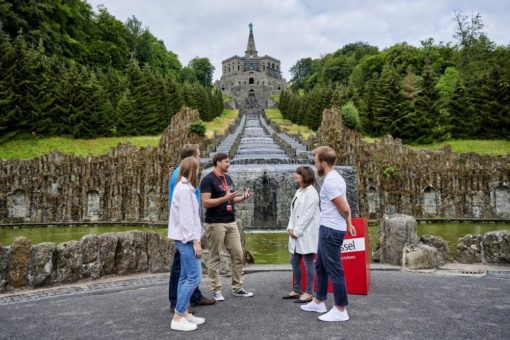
[295, 261]
[328, 264]
[191, 274]
[175, 273]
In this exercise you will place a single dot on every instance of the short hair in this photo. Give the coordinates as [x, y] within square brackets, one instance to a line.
[219, 157]
[189, 150]
[307, 174]
[189, 169]
[325, 154]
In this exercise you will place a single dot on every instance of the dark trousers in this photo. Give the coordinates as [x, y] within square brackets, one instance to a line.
[175, 273]
[328, 264]
[295, 261]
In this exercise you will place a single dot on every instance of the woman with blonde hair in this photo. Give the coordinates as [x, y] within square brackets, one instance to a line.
[303, 230]
[184, 227]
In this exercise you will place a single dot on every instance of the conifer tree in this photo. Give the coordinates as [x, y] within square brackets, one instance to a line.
[283, 104]
[126, 115]
[145, 104]
[461, 111]
[387, 97]
[173, 99]
[218, 100]
[495, 101]
[188, 95]
[202, 98]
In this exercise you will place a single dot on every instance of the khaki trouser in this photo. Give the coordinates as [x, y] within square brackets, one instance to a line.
[219, 235]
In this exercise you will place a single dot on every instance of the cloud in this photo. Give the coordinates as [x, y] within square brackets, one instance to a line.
[290, 29]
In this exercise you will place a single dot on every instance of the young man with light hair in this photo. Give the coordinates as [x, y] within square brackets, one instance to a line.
[335, 222]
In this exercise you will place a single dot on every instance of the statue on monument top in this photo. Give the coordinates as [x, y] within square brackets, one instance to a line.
[251, 27]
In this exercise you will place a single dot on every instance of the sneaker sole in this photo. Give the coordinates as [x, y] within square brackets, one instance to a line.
[242, 295]
[314, 310]
[176, 328]
[333, 320]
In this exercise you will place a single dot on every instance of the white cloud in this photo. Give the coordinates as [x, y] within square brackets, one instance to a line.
[292, 29]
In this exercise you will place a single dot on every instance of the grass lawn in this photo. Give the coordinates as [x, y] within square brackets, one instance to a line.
[479, 146]
[220, 123]
[371, 139]
[30, 148]
[35, 147]
[495, 147]
[275, 116]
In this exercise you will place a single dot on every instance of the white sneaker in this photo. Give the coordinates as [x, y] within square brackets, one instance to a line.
[183, 325]
[314, 307]
[243, 293]
[217, 296]
[195, 319]
[335, 315]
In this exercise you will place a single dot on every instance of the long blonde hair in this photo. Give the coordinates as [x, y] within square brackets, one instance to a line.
[189, 168]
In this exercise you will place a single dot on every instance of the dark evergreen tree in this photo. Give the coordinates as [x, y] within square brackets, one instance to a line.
[462, 113]
[495, 98]
[283, 104]
[127, 116]
[26, 88]
[145, 102]
[202, 98]
[387, 97]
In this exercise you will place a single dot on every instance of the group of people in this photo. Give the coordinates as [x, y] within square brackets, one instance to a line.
[316, 228]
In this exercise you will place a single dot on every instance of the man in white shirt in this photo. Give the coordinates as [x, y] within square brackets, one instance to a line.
[335, 222]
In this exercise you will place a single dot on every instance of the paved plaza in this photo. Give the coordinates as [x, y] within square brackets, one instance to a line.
[400, 305]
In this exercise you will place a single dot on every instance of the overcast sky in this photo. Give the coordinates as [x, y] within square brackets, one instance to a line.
[291, 29]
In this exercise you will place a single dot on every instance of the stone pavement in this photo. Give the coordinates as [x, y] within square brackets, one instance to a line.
[400, 305]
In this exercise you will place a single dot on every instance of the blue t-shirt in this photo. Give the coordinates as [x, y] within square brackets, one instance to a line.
[171, 186]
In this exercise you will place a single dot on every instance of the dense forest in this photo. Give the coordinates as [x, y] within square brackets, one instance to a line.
[67, 70]
[420, 94]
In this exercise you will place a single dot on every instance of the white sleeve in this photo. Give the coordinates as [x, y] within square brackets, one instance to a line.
[334, 188]
[184, 204]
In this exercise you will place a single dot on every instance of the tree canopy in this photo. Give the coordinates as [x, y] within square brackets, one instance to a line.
[65, 69]
[419, 94]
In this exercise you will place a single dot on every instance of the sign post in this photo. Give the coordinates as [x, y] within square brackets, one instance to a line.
[355, 254]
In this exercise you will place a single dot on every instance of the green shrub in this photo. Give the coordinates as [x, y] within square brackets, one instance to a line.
[350, 116]
[198, 127]
[390, 171]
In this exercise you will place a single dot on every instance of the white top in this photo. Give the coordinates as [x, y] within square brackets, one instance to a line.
[333, 187]
[304, 219]
[184, 220]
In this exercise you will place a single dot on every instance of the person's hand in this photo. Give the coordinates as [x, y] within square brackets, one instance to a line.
[291, 233]
[351, 230]
[231, 195]
[247, 194]
[197, 248]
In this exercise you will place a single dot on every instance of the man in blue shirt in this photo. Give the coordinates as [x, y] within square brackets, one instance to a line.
[197, 299]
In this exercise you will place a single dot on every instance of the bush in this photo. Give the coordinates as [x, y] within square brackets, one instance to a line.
[390, 171]
[350, 115]
[197, 127]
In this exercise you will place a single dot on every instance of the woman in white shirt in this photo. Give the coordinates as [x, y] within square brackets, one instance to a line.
[185, 229]
[303, 230]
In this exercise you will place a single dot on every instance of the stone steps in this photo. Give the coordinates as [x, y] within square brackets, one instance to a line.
[259, 144]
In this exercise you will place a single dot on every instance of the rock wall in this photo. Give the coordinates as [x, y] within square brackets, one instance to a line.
[127, 184]
[90, 258]
[393, 178]
[44, 264]
[491, 247]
